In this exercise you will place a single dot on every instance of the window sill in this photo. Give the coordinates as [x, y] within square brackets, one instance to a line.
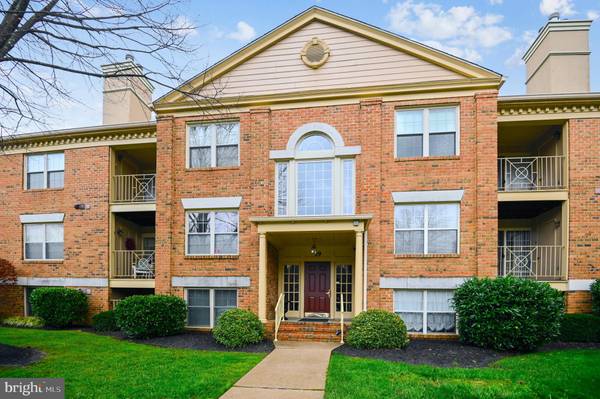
[416, 256]
[440, 336]
[211, 256]
[49, 261]
[437, 158]
[37, 190]
[212, 168]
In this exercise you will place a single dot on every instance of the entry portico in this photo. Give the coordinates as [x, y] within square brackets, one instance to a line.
[312, 260]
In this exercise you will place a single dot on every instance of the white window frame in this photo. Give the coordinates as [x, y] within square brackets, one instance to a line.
[426, 132]
[45, 171]
[426, 228]
[212, 128]
[44, 243]
[211, 302]
[212, 233]
[425, 312]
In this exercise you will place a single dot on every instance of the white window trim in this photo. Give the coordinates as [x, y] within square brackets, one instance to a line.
[426, 129]
[211, 203]
[43, 218]
[425, 312]
[45, 242]
[212, 233]
[211, 302]
[337, 205]
[426, 228]
[45, 171]
[213, 144]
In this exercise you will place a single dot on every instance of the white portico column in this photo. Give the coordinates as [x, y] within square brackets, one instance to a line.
[262, 277]
[358, 273]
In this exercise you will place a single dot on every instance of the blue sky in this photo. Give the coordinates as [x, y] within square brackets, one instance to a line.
[493, 33]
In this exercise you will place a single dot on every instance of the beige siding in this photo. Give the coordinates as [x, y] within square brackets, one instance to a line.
[354, 62]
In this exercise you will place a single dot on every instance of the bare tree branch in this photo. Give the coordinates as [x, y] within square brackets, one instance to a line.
[41, 41]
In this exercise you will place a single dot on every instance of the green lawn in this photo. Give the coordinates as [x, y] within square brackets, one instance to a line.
[562, 374]
[102, 367]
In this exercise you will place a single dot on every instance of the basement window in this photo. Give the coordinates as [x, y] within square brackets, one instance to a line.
[205, 305]
[426, 311]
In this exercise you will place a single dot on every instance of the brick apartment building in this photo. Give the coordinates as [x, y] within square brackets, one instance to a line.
[325, 168]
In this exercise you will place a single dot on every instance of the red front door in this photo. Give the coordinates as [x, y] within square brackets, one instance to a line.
[316, 287]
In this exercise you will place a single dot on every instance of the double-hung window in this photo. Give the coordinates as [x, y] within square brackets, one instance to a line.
[426, 311]
[205, 305]
[315, 181]
[214, 232]
[213, 145]
[427, 132]
[426, 228]
[45, 171]
[43, 241]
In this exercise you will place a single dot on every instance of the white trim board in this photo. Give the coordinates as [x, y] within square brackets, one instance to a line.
[211, 282]
[43, 218]
[579, 285]
[402, 197]
[211, 203]
[421, 282]
[62, 281]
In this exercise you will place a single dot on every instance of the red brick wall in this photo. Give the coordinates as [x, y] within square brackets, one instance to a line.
[584, 198]
[578, 302]
[369, 124]
[86, 231]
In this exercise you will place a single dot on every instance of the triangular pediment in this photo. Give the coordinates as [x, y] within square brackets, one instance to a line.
[359, 56]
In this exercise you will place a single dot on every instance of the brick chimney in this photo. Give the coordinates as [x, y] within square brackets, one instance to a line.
[558, 61]
[125, 99]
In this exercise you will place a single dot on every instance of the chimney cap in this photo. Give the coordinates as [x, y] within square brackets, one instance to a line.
[129, 57]
[555, 16]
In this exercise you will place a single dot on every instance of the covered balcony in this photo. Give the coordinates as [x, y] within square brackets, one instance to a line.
[531, 158]
[132, 261]
[134, 175]
[531, 240]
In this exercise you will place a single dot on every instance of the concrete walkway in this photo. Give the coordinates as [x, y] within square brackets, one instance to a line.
[293, 370]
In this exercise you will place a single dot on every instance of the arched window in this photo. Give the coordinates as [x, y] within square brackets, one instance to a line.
[315, 175]
[315, 142]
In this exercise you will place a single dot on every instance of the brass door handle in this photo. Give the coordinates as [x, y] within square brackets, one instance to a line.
[328, 293]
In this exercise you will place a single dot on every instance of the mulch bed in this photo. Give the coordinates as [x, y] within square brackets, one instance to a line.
[192, 340]
[15, 356]
[448, 353]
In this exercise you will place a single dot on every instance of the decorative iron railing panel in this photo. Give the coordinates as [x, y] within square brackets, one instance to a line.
[538, 262]
[132, 264]
[531, 173]
[134, 188]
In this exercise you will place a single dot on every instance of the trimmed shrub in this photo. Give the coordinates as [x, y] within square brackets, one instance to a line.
[105, 321]
[595, 289]
[377, 329]
[237, 328]
[580, 328]
[59, 306]
[507, 313]
[146, 316]
[23, 322]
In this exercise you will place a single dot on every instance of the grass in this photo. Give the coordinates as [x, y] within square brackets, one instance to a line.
[95, 366]
[560, 374]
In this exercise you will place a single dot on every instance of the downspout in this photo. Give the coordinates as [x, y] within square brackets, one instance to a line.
[365, 277]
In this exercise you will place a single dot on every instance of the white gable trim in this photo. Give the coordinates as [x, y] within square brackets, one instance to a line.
[211, 203]
[401, 197]
[211, 282]
[43, 218]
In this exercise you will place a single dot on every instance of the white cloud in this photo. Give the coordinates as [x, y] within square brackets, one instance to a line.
[516, 58]
[184, 26]
[564, 7]
[496, 2]
[593, 14]
[466, 53]
[460, 30]
[243, 33]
